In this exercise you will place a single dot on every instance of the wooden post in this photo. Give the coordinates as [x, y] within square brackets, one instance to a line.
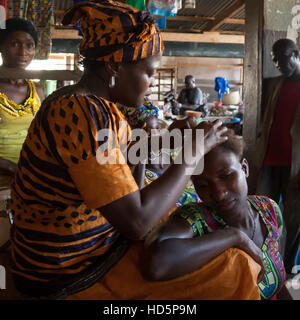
[176, 76]
[241, 81]
[252, 80]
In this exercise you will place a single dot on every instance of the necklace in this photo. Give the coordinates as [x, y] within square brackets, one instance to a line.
[254, 228]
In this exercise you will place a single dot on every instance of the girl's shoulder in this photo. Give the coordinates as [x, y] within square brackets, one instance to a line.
[193, 209]
[201, 218]
[266, 205]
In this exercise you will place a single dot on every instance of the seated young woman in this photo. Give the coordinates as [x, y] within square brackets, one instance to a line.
[227, 218]
[175, 262]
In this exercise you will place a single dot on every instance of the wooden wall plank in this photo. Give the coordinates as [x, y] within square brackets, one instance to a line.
[67, 75]
[214, 37]
[252, 81]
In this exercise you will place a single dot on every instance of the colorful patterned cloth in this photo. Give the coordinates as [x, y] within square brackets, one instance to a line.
[58, 230]
[138, 117]
[189, 194]
[115, 31]
[40, 13]
[17, 9]
[203, 220]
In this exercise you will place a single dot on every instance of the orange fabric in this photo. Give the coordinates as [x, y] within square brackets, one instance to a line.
[115, 31]
[60, 184]
[115, 185]
[232, 275]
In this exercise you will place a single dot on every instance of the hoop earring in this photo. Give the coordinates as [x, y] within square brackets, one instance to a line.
[112, 82]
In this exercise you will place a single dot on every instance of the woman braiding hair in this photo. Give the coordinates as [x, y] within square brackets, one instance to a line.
[73, 216]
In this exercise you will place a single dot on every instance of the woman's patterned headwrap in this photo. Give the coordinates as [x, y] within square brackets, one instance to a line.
[114, 31]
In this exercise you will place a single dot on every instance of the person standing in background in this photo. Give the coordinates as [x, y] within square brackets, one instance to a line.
[20, 99]
[275, 143]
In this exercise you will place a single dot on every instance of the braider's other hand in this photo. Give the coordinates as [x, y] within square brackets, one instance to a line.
[187, 123]
[182, 125]
[214, 134]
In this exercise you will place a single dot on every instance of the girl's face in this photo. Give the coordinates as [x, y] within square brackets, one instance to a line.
[223, 186]
[18, 50]
[135, 80]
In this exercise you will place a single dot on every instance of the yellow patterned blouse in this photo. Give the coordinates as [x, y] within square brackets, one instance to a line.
[15, 120]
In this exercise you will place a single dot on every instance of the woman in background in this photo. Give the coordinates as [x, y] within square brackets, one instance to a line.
[20, 99]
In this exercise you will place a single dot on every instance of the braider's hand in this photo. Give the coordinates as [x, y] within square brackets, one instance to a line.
[213, 134]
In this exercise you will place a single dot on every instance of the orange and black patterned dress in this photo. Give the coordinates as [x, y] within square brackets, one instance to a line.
[58, 231]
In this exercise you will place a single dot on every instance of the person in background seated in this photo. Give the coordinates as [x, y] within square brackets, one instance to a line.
[227, 218]
[190, 97]
[20, 99]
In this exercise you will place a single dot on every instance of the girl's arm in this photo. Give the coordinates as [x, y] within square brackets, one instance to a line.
[137, 213]
[139, 174]
[171, 250]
